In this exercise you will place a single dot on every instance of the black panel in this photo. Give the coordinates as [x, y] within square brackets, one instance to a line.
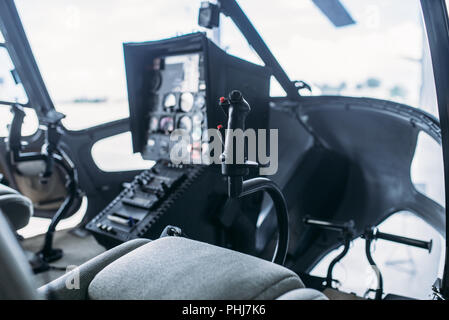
[161, 71]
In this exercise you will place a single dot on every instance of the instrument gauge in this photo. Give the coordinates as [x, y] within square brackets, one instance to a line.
[186, 101]
[185, 123]
[166, 124]
[170, 101]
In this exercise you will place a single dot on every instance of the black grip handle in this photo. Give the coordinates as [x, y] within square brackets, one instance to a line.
[15, 130]
[404, 240]
[237, 109]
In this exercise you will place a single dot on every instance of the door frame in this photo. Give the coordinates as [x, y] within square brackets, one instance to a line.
[437, 27]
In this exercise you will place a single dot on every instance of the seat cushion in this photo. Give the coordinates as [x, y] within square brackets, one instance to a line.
[179, 268]
[303, 294]
[74, 284]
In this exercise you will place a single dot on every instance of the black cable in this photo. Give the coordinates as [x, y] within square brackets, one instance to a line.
[264, 184]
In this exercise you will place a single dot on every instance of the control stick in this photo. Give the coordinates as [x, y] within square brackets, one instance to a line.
[51, 154]
[236, 108]
[347, 233]
[371, 234]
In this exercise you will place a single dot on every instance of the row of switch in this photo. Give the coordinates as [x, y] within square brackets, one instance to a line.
[106, 228]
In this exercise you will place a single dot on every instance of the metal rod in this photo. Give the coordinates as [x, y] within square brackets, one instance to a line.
[8, 103]
[347, 242]
[233, 10]
[380, 282]
[404, 240]
[437, 26]
[326, 224]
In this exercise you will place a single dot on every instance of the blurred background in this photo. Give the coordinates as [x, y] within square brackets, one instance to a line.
[78, 47]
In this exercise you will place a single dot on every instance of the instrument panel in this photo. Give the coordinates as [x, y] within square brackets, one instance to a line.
[175, 84]
[177, 101]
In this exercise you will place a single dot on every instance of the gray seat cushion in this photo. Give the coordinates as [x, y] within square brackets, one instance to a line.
[303, 294]
[64, 288]
[179, 268]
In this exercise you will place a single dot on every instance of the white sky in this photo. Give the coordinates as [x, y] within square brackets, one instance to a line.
[85, 49]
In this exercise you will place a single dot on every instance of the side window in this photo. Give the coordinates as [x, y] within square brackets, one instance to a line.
[11, 90]
[427, 167]
[115, 154]
[83, 65]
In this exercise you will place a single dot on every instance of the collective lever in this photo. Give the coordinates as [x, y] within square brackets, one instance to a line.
[347, 232]
[372, 234]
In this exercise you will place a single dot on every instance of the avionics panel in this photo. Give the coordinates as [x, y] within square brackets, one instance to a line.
[178, 103]
[176, 83]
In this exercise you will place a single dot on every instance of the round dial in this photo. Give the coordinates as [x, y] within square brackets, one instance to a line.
[185, 123]
[169, 101]
[186, 101]
[154, 124]
[166, 124]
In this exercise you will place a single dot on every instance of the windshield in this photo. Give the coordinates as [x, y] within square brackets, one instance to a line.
[382, 55]
[11, 90]
[83, 64]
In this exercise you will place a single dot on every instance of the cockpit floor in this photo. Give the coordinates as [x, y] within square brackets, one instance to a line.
[77, 250]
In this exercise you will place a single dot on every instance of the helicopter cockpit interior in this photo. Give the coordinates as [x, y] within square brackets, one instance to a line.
[245, 195]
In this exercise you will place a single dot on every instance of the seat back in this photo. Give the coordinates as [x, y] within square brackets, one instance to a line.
[17, 208]
[15, 273]
[175, 268]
